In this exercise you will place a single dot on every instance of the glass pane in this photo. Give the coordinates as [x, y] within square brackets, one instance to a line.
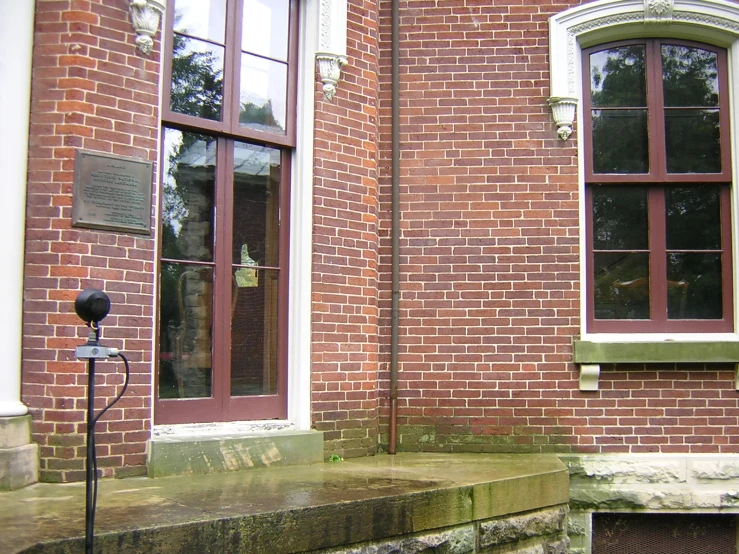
[201, 18]
[185, 323]
[254, 335]
[197, 78]
[263, 94]
[188, 185]
[621, 285]
[256, 205]
[620, 141]
[618, 77]
[694, 286]
[620, 218]
[264, 29]
[690, 76]
[693, 141]
[693, 217]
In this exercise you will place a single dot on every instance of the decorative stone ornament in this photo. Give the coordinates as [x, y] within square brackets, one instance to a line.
[331, 55]
[563, 111]
[145, 16]
[329, 67]
[658, 11]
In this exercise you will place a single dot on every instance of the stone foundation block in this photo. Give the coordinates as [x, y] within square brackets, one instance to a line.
[543, 523]
[19, 457]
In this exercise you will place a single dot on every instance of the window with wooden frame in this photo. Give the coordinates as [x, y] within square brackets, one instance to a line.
[658, 180]
[228, 134]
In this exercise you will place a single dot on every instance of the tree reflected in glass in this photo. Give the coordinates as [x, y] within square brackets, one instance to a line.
[620, 136]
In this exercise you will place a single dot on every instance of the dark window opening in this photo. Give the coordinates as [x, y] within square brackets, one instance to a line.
[664, 534]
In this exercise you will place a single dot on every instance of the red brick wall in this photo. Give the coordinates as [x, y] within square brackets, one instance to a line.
[490, 297]
[91, 90]
[344, 311]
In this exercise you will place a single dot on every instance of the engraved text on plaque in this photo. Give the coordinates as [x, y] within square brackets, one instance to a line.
[111, 192]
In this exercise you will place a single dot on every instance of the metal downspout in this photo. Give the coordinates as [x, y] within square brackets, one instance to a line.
[395, 231]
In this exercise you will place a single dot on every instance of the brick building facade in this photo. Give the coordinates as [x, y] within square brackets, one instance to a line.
[499, 300]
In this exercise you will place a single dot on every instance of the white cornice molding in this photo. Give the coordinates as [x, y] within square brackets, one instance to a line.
[145, 17]
[331, 55]
[625, 19]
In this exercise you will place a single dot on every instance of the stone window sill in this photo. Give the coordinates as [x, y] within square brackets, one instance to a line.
[589, 355]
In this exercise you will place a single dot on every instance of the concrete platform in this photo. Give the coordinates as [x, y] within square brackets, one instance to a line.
[287, 509]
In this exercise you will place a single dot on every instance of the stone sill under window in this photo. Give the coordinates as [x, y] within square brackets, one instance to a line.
[589, 355]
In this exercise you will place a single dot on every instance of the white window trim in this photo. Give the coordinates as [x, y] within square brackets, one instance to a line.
[710, 21]
[301, 228]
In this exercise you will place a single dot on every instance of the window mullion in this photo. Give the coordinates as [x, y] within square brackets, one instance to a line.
[657, 256]
[656, 107]
[590, 260]
[727, 267]
[232, 66]
[222, 301]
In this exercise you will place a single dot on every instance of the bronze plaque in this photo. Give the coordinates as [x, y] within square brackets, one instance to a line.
[111, 192]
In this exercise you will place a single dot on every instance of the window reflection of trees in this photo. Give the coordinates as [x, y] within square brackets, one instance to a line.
[620, 139]
[197, 85]
[690, 81]
[618, 77]
[692, 220]
[689, 76]
[690, 85]
[197, 79]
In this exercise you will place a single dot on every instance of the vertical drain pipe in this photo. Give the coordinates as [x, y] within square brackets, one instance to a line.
[395, 231]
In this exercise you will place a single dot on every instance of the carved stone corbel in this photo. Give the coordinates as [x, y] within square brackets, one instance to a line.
[145, 16]
[331, 55]
[658, 11]
[329, 67]
[563, 112]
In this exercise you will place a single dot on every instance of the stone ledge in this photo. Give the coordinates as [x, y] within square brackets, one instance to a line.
[693, 469]
[198, 454]
[673, 499]
[589, 355]
[355, 506]
[649, 352]
[653, 482]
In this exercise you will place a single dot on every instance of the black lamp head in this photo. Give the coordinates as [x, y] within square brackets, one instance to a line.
[92, 305]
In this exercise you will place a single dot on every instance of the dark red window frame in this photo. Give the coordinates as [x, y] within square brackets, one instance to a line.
[221, 406]
[657, 180]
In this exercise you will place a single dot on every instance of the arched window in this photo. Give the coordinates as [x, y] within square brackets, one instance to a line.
[658, 177]
[651, 156]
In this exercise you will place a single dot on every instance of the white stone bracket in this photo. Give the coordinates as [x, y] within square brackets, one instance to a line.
[589, 375]
[145, 16]
[331, 55]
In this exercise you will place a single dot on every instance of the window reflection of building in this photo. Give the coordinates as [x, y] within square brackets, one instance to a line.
[227, 143]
